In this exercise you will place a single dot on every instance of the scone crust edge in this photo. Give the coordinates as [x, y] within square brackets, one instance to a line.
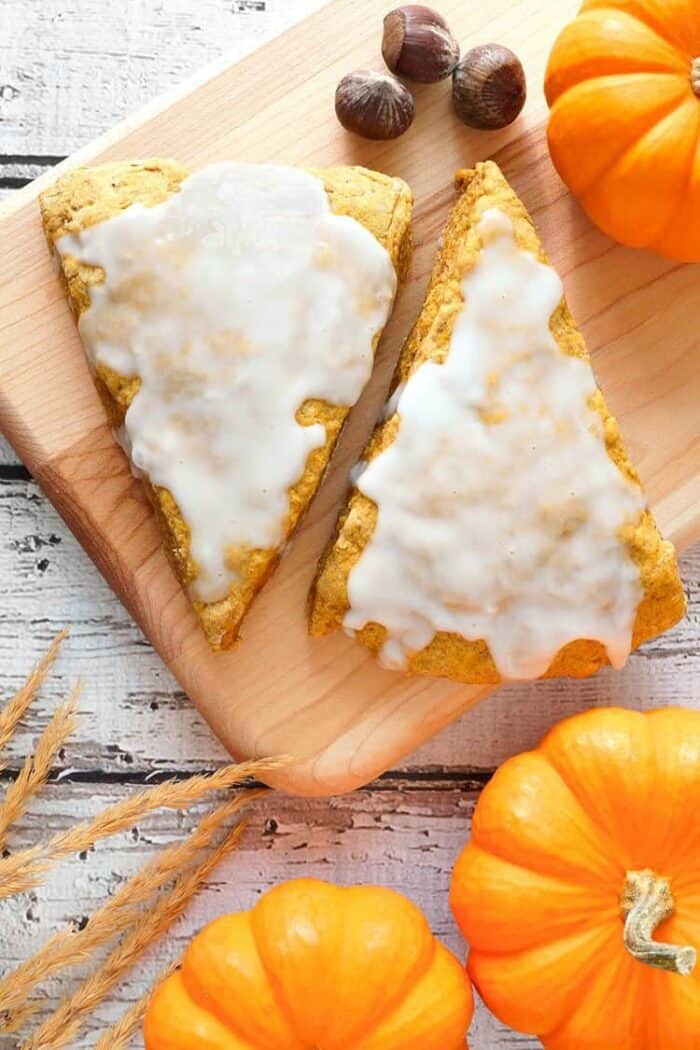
[86, 196]
[449, 655]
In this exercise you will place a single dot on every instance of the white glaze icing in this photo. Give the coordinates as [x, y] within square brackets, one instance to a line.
[235, 301]
[499, 509]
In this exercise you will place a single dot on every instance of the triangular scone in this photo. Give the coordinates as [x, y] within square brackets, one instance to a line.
[354, 270]
[496, 528]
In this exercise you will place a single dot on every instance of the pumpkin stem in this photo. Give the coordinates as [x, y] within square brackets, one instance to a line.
[646, 902]
[695, 75]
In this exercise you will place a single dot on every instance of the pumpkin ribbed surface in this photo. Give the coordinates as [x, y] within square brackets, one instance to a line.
[315, 967]
[623, 84]
[580, 888]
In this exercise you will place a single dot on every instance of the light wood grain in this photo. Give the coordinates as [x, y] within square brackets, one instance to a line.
[327, 703]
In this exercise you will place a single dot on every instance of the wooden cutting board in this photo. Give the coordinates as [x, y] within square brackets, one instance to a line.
[327, 703]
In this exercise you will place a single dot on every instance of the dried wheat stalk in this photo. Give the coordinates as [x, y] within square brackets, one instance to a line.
[24, 870]
[68, 948]
[142, 909]
[67, 1020]
[120, 1035]
[13, 711]
[37, 767]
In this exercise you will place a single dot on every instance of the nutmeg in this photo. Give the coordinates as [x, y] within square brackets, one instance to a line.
[488, 87]
[374, 105]
[418, 44]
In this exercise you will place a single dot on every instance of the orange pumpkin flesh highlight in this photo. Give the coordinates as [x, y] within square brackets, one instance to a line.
[315, 967]
[623, 84]
[582, 879]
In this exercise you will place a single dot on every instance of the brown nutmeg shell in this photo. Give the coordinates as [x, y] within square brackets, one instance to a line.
[417, 44]
[489, 87]
[374, 105]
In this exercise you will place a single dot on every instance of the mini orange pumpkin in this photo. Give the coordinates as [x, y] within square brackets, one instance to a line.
[623, 82]
[580, 851]
[315, 967]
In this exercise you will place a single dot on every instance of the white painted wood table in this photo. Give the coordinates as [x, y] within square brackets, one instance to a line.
[69, 69]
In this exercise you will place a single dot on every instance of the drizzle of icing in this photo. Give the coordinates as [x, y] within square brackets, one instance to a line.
[499, 509]
[234, 301]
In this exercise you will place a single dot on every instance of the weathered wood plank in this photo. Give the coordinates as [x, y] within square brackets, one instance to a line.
[406, 839]
[134, 718]
[69, 70]
[7, 453]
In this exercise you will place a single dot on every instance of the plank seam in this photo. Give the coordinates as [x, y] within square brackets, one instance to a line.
[14, 472]
[38, 159]
[467, 779]
[13, 182]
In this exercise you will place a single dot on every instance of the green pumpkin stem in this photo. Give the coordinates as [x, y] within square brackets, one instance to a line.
[646, 902]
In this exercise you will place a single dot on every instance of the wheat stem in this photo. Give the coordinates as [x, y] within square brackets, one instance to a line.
[13, 711]
[68, 948]
[140, 911]
[67, 1020]
[119, 1036]
[24, 870]
[37, 767]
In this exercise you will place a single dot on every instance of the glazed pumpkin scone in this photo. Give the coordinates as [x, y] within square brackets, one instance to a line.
[496, 528]
[230, 319]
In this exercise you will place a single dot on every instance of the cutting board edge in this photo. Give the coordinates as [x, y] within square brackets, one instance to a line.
[357, 770]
